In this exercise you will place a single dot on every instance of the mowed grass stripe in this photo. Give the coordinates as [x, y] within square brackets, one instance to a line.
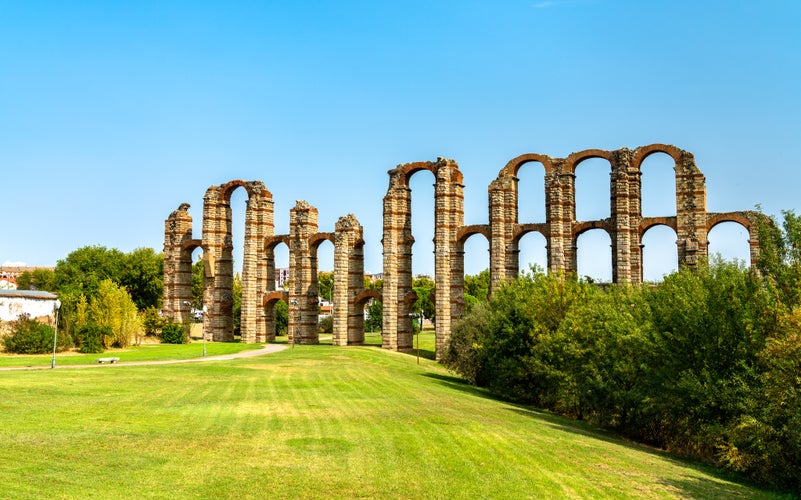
[311, 422]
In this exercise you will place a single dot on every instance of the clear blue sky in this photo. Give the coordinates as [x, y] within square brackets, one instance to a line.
[113, 113]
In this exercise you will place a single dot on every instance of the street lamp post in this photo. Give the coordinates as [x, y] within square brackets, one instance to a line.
[292, 302]
[56, 308]
[203, 329]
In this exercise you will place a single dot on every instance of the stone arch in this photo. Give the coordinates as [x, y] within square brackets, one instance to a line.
[641, 153]
[366, 295]
[513, 166]
[397, 243]
[649, 222]
[747, 219]
[273, 297]
[218, 245]
[574, 159]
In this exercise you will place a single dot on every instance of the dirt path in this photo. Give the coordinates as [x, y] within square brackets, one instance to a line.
[267, 349]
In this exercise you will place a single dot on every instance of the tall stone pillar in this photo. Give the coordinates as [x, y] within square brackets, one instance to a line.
[620, 187]
[563, 217]
[348, 281]
[448, 218]
[559, 213]
[503, 219]
[259, 224]
[177, 264]
[397, 243]
[690, 212]
[303, 300]
[218, 295]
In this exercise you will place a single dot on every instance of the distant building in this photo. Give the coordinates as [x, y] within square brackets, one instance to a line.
[281, 277]
[9, 275]
[38, 305]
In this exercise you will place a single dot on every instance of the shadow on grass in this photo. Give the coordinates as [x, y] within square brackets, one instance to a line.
[731, 485]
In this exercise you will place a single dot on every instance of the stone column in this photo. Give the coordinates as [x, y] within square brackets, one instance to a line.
[397, 243]
[562, 209]
[303, 301]
[502, 219]
[448, 218]
[348, 281]
[690, 211]
[258, 226]
[177, 264]
[218, 293]
[620, 214]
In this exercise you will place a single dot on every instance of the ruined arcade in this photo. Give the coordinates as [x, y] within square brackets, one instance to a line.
[625, 227]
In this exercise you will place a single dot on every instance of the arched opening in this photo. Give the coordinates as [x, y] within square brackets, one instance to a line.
[659, 253]
[238, 203]
[594, 258]
[531, 193]
[476, 254]
[476, 274]
[232, 257]
[658, 185]
[422, 214]
[198, 285]
[592, 189]
[533, 249]
[324, 272]
[276, 309]
[729, 240]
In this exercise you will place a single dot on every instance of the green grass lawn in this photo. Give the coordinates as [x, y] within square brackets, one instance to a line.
[145, 352]
[311, 422]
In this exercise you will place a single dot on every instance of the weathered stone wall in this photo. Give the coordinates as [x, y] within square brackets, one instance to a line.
[178, 247]
[348, 281]
[625, 226]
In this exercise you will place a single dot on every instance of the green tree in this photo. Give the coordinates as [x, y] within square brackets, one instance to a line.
[38, 279]
[281, 312]
[325, 285]
[112, 307]
[237, 290]
[83, 269]
[198, 278]
[478, 285]
[424, 288]
[375, 316]
[142, 275]
[780, 255]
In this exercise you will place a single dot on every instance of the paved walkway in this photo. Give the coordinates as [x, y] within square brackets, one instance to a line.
[267, 349]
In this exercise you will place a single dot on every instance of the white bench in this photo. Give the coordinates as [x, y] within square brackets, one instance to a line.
[107, 360]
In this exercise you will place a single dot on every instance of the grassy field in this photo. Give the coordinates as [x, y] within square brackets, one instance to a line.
[145, 352]
[311, 422]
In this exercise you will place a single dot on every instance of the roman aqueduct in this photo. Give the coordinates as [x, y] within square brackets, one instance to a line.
[625, 226]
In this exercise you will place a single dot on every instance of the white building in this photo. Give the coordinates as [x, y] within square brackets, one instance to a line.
[38, 305]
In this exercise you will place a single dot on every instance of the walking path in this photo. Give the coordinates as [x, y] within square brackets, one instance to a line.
[267, 349]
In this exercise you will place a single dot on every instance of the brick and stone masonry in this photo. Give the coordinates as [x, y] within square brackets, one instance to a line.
[625, 226]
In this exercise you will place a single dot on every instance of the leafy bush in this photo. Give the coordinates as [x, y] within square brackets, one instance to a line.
[706, 364]
[174, 333]
[152, 322]
[27, 336]
[113, 307]
[92, 337]
[326, 324]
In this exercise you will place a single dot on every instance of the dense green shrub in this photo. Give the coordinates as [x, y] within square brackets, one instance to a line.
[706, 364]
[91, 337]
[174, 333]
[152, 322]
[27, 336]
[326, 324]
